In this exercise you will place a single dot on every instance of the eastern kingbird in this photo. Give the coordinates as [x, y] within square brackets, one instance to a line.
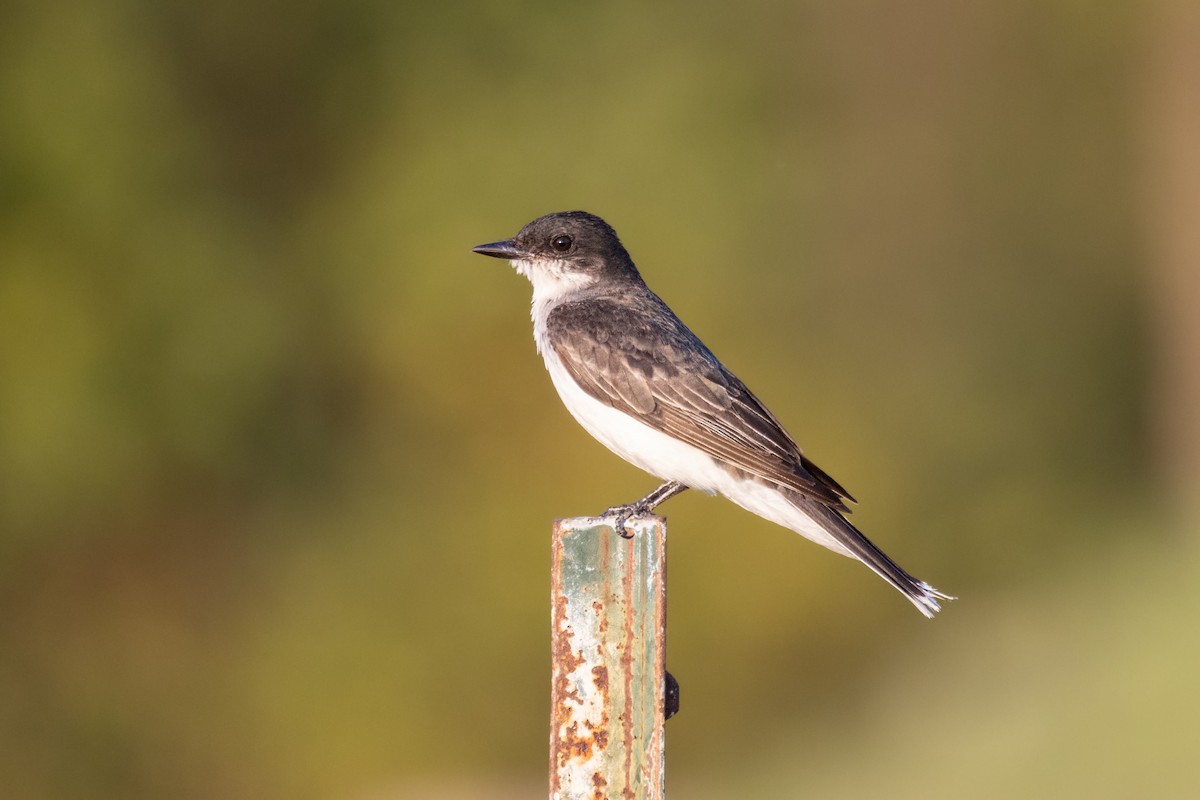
[642, 383]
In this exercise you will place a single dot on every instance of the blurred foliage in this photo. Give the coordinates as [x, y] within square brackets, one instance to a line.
[277, 459]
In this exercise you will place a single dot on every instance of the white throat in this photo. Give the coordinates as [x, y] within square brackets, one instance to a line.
[553, 281]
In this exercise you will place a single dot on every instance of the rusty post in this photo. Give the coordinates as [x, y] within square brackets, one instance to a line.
[608, 612]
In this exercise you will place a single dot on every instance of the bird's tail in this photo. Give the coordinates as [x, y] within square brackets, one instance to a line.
[856, 545]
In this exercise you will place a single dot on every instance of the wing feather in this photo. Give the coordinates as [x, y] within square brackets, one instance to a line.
[642, 360]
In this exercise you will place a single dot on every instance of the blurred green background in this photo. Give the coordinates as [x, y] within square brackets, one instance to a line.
[278, 460]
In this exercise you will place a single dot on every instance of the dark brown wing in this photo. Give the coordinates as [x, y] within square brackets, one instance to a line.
[639, 358]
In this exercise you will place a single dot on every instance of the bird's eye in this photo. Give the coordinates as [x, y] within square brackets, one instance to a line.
[561, 243]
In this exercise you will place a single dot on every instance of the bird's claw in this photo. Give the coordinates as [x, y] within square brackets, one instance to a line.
[643, 507]
[623, 514]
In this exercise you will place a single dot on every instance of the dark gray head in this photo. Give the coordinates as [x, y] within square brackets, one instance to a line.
[565, 252]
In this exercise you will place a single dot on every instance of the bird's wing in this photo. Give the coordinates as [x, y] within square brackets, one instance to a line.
[642, 360]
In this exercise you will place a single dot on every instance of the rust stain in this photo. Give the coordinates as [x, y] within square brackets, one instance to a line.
[600, 732]
[600, 678]
[566, 658]
[558, 606]
[598, 607]
[598, 784]
[626, 661]
[570, 741]
[572, 744]
[567, 743]
[577, 746]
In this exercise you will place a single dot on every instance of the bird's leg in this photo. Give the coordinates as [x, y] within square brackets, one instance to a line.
[644, 506]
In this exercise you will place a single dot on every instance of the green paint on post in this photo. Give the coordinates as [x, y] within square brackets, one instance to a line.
[608, 625]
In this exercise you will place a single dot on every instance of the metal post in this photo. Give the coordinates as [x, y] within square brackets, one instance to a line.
[608, 611]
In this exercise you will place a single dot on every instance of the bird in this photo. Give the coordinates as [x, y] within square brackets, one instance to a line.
[639, 381]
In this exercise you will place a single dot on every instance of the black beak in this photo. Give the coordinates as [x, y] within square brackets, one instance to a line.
[506, 249]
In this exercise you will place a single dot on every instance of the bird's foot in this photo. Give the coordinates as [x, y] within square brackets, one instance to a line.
[625, 513]
[643, 507]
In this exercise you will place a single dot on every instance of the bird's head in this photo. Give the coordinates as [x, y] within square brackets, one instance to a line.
[564, 253]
